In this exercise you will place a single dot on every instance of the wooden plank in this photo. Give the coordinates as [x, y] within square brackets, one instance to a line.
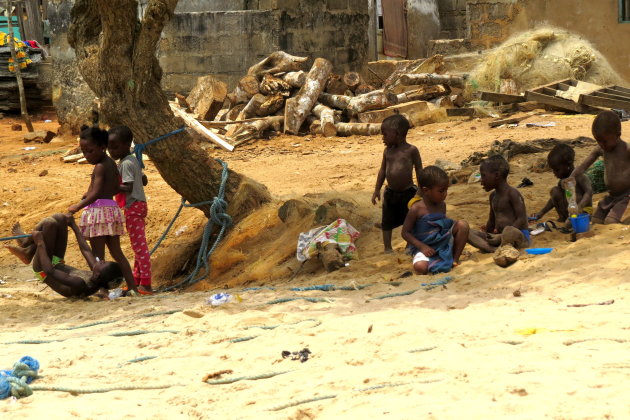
[553, 101]
[620, 88]
[502, 98]
[604, 102]
[614, 92]
[199, 128]
[610, 96]
[515, 120]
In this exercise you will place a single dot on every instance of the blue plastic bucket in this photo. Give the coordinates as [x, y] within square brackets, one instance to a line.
[581, 223]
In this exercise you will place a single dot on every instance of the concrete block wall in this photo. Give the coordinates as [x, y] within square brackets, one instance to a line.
[224, 44]
[453, 22]
[489, 21]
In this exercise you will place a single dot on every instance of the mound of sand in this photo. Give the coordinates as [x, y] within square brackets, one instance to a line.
[535, 58]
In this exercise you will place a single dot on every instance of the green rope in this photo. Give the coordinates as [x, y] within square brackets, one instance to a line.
[596, 173]
[273, 327]
[32, 341]
[174, 311]
[408, 292]
[87, 325]
[308, 299]
[141, 359]
[140, 332]
[299, 402]
[100, 390]
[421, 349]
[246, 378]
[241, 339]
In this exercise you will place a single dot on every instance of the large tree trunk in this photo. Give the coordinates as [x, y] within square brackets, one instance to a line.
[116, 56]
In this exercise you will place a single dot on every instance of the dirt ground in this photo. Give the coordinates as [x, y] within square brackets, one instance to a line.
[469, 349]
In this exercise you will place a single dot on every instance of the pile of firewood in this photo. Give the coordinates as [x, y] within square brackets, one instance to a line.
[277, 94]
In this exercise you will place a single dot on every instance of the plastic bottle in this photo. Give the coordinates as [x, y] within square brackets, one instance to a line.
[569, 191]
[219, 299]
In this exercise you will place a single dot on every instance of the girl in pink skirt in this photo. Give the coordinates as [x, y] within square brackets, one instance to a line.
[102, 222]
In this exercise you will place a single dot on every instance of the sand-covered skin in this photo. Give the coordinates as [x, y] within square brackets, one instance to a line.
[459, 351]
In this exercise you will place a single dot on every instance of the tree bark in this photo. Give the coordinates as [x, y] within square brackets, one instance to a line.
[116, 56]
[256, 129]
[277, 62]
[432, 79]
[248, 112]
[363, 129]
[272, 85]
[335, 85]
[295, 78]
[335, 101]
[246, 88]
[298, 108]
[352, 79]
[423, 94]
[377, 99]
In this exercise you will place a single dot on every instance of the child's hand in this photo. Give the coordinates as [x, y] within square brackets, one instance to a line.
[38, 238]
[73, 209]
[376, 196]
[427, 250]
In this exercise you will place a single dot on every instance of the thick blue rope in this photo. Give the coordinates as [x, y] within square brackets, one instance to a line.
[140, 147]
[15, 382]
[218, 216]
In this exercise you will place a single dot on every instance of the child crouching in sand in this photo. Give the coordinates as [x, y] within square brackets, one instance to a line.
[507, 221]
[561, 160]
[435, 241]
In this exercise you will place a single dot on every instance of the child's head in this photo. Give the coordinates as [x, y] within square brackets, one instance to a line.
[434, 184]
[494, 170]
[607, 129]
[561, 160]
[107, 274]
[394, 129]
[120, 139]
[93, 143]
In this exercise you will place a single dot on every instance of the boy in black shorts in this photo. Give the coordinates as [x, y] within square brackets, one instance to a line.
[400, 159]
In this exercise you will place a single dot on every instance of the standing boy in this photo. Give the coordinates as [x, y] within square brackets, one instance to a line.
[561, 160]
[134, 203]
[507, 221]
[399, 161]
[435, 241]
[607, 132]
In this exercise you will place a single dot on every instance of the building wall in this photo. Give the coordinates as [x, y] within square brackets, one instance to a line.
[423, 23]
[453, 23]
[491, 22]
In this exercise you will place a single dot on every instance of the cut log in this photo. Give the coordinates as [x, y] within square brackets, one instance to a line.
[207, 97]
[295, 78]
[256, 129]
[181, 100]
[362, 129]
[363, 88]
[271, 105]
[233, 113]
[250, 110]
[198, 128]
[72, 158]
[377, 99]
[443, 102]
[403, 109]
[327, 120]
[335, 85]
[246, 88]
[434, 64]
[433, 79]
[458, 100]
[272, 85]
[297, 108]
[352, 79]
[423, 94]
[335, 101]
[277, 62]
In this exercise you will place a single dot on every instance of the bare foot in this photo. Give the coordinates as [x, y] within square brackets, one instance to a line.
[17, 230]
[21, 253]
[389, 251]
[378, 225]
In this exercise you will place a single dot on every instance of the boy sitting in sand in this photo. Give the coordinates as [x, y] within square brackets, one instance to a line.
[46, 248]
[507, 222]
[435, 241]
[399, 161]
[561, 159]
[607, 132]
